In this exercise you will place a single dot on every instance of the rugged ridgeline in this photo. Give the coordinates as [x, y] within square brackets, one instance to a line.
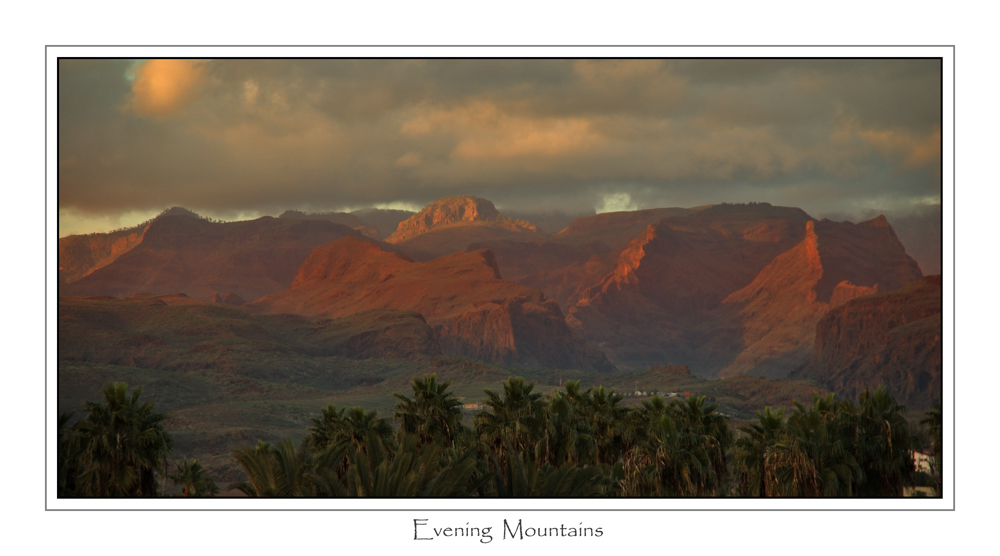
[835, 262]
[566, 264]
[449, 225]
[472, 311]
[372, 222]
[80, 255]
[891, 338]
[185, 254]
[342, 218]
[736, 289]
[655, 303]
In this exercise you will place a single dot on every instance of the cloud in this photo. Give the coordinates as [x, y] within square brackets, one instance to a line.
[268, 135]
[483, 131]
[162, 87]
[616, 202]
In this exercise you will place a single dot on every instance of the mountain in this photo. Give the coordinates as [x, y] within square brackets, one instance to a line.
[449, 225]
[384, 220]
[891, 338]
[653, 306]
[179, 333]
[80, 255]
[566, 264]
[472, 311]
[778, 311]
[342, 218]
[180, 253]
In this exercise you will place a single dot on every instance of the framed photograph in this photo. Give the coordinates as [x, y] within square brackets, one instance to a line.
[500, 279]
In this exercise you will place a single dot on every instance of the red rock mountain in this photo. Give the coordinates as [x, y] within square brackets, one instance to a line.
[472, 311]
[80, 255]
[450, 225]
[834, 263]
[199, 258]
[891, 338]
[651, 308]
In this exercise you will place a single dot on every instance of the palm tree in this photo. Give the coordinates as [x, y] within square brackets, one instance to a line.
[191, 474]
[349, 426]
[122, 443]
[679, 450]
[751, 451]
[434, 413]
[883, 449]
[517, 420]
[276, 471]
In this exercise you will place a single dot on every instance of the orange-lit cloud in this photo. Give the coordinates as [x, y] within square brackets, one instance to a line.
[485, 132]
[162, 87]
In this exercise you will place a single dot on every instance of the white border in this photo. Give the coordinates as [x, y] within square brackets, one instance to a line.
[527, 506]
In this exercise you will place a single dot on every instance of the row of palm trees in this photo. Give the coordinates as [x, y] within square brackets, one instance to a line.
[569, 443]
[575, 443]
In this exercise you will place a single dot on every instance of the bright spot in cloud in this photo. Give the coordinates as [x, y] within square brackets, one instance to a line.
[616, 202]
[399, 205]
[161, 87]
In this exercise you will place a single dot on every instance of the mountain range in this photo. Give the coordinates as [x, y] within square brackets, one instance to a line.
[727, 290]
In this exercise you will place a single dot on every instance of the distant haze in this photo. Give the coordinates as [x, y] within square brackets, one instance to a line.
[236, 139]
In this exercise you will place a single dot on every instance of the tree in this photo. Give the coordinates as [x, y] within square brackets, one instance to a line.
[281, 471]
[516, 420]
[883, 448]
[122, 443]
[932, 420]
[192, 476]
[434, 413]
[678, 450]
[349, 427]
[752, 448]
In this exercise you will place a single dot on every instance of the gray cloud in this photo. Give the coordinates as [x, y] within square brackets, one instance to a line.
[260, 136]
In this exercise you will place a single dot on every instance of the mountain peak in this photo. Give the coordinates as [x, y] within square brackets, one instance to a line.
[452, 210]
[879, 221]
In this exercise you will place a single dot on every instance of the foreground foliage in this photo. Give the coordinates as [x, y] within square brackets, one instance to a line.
[566, 444]
[117, 449]
[583, 443]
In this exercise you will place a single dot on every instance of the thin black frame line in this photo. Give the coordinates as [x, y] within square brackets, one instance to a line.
[954, 255]
[500, 46]
[45, 279]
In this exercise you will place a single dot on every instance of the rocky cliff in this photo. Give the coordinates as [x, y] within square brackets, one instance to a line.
[891, 338]
[472, 311]
[455, 211]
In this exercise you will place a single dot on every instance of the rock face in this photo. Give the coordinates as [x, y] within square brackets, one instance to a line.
[80, 255]
[472, 311]
[653, 306]
[197, 257]
[891, 338]
[736, 289]
[834, 263]
[451, 211]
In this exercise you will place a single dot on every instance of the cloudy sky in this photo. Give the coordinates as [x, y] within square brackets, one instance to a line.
[241, 138]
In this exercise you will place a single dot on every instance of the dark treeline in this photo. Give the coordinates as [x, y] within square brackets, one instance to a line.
[571, 443]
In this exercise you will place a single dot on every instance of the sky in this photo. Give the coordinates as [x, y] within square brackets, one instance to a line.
[239, 138]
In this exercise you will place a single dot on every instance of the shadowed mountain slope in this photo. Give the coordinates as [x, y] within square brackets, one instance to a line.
[472, 310]
[891, 338]
[80, 255]
[835, 262]
[199, 258]
[735, 289]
